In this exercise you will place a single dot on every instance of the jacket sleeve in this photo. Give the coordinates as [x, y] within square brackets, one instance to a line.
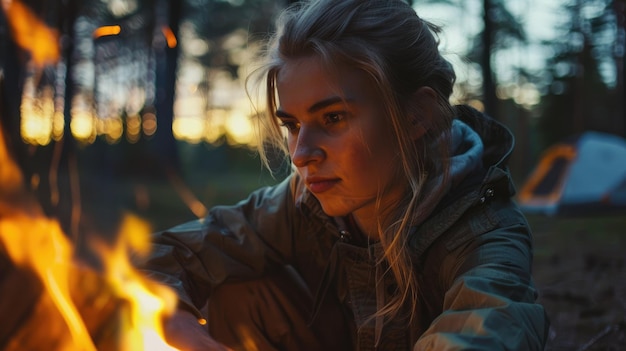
[230, 243]
[489, 301]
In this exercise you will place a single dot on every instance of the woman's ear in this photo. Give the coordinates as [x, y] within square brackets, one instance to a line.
[423, 107]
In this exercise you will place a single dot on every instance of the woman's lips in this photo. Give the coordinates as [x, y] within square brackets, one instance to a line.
[321, 185]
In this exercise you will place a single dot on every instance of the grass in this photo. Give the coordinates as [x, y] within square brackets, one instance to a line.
[580, 273]
[579, 265]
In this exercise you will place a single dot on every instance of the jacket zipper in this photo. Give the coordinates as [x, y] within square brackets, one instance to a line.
[344, 236]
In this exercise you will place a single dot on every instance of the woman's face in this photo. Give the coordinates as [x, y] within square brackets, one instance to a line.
[339, 137]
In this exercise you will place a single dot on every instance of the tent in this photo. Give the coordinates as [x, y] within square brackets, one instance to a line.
[586, 175]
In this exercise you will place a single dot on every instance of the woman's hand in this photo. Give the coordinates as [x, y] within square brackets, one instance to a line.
[183, 332]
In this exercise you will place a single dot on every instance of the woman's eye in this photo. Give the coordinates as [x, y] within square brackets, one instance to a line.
[292, 127]
[334, 117]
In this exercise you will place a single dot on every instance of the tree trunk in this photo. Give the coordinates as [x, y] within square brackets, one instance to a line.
[489, 95]
[11, 85]
[619, 7]
[163, 143]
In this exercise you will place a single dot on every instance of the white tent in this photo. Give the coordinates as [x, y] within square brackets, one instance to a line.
[584, 176]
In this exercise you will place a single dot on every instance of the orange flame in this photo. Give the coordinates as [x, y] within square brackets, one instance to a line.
[144, 325]
[10, 175]
[31, 33]
[38, 245]
[51, 261]
[169, 37]
[106, 31]
[21, 230]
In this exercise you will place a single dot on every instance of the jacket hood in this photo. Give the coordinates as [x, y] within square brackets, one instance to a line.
[479, 172]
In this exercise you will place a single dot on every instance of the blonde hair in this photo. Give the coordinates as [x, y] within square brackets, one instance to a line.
[399, 52]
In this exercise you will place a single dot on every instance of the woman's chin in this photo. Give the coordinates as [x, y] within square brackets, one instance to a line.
[332, 210]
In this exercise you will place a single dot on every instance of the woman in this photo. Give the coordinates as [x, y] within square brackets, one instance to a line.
[396, 230]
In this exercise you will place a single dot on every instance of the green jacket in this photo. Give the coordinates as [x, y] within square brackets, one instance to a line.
[473, 256]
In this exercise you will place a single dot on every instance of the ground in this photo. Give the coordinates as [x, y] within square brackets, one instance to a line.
[580, 272]
[579, 263]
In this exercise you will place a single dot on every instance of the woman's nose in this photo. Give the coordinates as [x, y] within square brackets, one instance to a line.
[306, 148]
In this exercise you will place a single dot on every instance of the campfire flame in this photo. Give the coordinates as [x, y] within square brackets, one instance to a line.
[38, 245]
[145, 323]
[31, 33]
[64, 303]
